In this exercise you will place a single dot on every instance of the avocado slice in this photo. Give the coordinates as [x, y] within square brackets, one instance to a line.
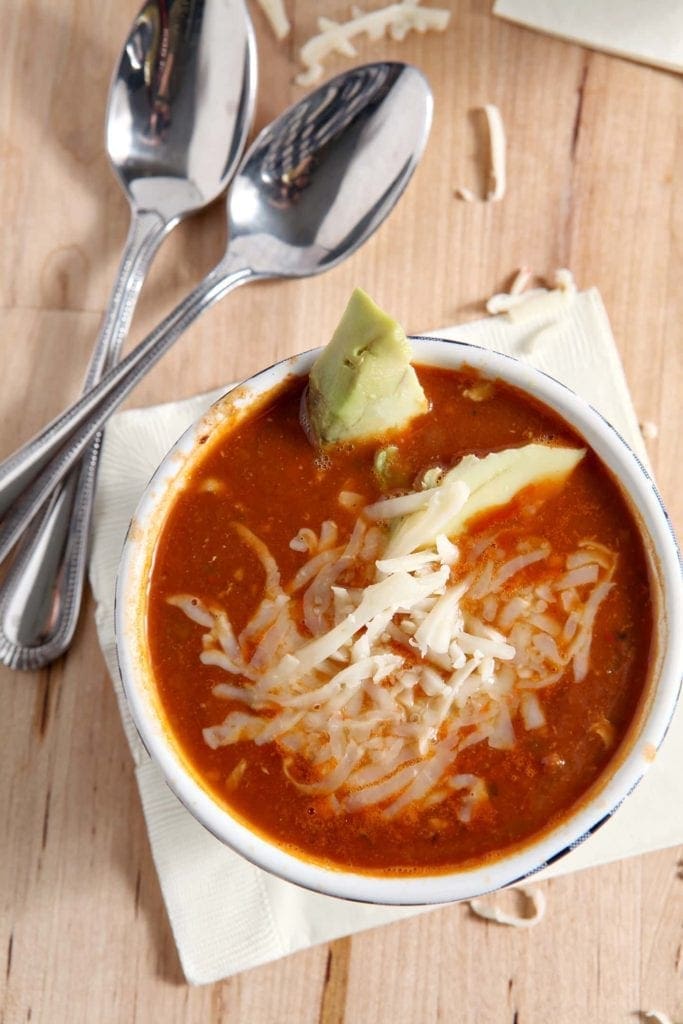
[362, 384]
[495, 480]
[491, 482]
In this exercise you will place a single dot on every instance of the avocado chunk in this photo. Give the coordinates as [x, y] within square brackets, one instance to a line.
[362, 384]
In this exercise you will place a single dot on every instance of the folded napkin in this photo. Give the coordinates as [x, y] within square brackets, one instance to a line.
[226, 914]
[650, 32]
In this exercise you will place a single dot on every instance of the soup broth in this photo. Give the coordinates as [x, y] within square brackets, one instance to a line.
[392, 754]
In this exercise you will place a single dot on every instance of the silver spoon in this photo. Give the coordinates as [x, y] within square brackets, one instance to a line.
[312, 188]
[180, 106]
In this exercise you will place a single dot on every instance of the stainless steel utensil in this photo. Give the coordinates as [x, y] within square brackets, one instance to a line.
[312, 188]
[180, 107]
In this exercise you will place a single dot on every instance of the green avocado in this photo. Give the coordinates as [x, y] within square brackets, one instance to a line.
[491, 482]
[362, 384]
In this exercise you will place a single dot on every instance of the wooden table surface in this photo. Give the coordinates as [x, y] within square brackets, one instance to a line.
[595, 163]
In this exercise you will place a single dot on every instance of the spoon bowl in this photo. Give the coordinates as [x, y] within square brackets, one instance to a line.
[180, 103]
[321, 178]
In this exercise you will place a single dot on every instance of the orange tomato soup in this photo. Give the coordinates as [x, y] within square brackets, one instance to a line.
[264, 475]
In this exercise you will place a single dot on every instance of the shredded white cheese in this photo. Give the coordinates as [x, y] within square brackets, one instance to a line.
[497, 153]
[649, 430]
[496, 174]
[503, 302]
[522, 303]
[535, 899]
[377, 671]
[548, 304]
[521, 281]
[563, 280]
[336, 37]
[351, 500]
[276, 14]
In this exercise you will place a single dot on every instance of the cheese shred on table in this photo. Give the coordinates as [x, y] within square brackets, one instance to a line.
[497, 159]
[535, 899]
[371, 674]
[497, 154]
[397, 19]
[522, 303]
[276, 14]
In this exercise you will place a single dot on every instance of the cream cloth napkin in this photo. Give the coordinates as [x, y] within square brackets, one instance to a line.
[649, 31]
[227, 915]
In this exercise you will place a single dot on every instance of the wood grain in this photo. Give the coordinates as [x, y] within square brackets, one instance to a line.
[595, 179]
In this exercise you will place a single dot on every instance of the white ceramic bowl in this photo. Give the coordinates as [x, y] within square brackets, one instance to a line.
[628, 766]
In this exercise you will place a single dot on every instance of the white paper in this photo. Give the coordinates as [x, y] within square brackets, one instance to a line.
[227, 915]
[649, 31]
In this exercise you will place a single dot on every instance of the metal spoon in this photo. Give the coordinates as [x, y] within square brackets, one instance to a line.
[180, 106]
[312, 188]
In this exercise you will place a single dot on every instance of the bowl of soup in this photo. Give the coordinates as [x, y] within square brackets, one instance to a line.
[387, 715]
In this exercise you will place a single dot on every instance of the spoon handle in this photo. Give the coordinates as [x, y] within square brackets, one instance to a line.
[63, 442]
[40, 595]
[17, 471]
